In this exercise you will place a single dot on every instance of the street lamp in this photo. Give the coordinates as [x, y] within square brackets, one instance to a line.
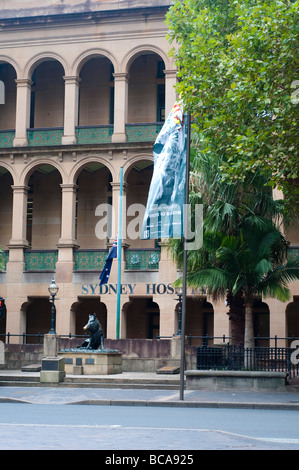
[179, 292]
[53, 289]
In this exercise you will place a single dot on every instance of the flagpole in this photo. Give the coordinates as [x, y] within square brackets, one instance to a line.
[182, 365]
[119, 249]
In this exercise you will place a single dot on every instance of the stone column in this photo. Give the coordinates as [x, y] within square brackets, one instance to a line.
[115, 211]
[67, 241]
[15, 265]
[170, 93]
[22, 112]
[71, 106]
[120, 107]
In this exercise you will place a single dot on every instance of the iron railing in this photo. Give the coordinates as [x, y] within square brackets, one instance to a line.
[37, 337]
[40, 260]
[94, 134]
[7, 138]
[143, 132]
[142, 260]
[90, 260]
[44, 136]
[259, 341]
[228, 357]
[101, 134]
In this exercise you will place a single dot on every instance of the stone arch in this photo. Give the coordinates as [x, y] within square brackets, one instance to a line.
[132, 162]
[11, 170]
[91, 54]
[141, 318]
[199, 318]
[7, 181]
[11, 62]
[292, 318]
[93, 180]
[31, 167]
[84, 307]
[140, 50]
[79, 166]
[39, 58]
[44, 203]
[8, 98]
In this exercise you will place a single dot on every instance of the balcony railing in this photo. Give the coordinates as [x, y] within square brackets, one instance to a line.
[6, 138]
[4, 255]
[142, 132]
[93, 260]
[41, 260]
[90, 260]
[45, 137]
[94, 135]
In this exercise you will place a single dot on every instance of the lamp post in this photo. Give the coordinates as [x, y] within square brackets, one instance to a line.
[179, 292]
[53, 289]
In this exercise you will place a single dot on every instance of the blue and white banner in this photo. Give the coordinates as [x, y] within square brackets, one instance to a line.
[163, 216]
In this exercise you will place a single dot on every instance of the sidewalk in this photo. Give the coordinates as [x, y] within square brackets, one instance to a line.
[119, 393]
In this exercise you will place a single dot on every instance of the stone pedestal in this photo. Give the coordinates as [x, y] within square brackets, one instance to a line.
[50, 345]
[92, 362]
[52, 370]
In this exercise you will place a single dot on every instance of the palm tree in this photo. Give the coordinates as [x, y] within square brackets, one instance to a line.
[232, 212]
[250, 265]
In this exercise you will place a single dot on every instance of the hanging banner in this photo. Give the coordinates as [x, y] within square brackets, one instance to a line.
[164, 210]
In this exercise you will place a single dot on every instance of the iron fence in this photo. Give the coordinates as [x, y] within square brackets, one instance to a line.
[34, 338]
[217, 356]
[228, 357]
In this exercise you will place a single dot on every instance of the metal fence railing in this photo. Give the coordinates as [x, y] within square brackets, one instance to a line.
[33, 338]
[228, 357]
[218, 356]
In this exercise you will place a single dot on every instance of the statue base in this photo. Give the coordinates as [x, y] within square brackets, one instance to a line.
[82, 361]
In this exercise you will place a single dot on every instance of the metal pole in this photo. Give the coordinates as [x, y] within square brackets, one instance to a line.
[119, 248]
[182, 365]
[52, 330]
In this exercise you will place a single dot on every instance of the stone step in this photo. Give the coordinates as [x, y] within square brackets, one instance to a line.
[30, 380]
[148, 386]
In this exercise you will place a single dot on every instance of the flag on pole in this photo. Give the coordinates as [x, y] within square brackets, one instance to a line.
[163, 216]
[104, 277]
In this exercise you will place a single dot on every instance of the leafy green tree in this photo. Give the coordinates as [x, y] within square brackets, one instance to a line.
[239, 78]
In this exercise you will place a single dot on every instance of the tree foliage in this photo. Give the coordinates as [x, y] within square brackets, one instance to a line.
[244, 253]
[238, 76]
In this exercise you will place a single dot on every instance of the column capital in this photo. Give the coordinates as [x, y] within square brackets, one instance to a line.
[170, 72]
[26, 82]
[73, 79]
[116, 185]
[69, 187]
[20, 188]
[121, 76]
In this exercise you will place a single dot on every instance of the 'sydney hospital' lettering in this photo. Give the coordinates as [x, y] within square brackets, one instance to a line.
[129, 289]
[110, 289]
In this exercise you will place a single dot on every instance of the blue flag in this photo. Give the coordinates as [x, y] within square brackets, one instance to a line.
[104, 277]
[163, 216]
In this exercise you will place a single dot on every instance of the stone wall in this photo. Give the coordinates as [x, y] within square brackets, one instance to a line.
[139, 355]
[19, 355]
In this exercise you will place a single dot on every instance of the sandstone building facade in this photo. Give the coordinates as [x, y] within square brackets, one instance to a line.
[85, 89]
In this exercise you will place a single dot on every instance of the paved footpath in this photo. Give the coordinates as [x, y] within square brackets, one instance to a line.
[287, 399]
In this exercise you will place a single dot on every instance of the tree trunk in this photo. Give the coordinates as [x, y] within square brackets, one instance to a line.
[249, 332]
[236, 317]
